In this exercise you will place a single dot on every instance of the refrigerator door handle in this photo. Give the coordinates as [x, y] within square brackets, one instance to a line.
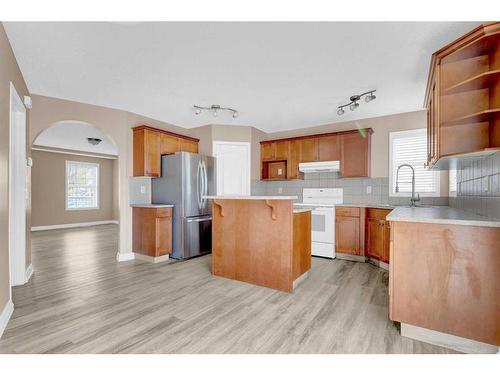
[205, 183]
[199, 219]
[199, 183]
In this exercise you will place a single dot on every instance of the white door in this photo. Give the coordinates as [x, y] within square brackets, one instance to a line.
[233, 167]
[17, 189]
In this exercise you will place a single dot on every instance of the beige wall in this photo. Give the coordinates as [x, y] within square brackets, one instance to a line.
[48, 199]
[9, 72]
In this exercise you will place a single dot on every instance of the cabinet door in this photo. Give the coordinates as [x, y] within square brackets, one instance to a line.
[374, 238]
[386, 243]
[292, 163]
[347, 235]
[267, 151]
[355, 155]
[168, 144]
[188, 145]
[163, 236]
[151, 153]
[308, 150]
[329, 148]
[282, 150]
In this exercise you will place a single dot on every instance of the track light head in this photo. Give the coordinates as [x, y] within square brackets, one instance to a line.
[370, 97]
[235, 114]
[353, 106]
[340, 111]
[197, 111]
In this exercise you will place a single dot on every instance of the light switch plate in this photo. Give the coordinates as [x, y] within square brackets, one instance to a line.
[143, 189]
[280, 190]
[368, 189]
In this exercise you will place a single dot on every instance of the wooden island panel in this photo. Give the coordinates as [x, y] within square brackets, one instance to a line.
[253, 241]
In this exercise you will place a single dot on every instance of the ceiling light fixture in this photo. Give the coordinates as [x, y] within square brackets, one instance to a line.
[215, 108]
[354, 101]
[94, 141]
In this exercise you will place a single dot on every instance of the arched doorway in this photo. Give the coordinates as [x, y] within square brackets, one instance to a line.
[74, 197]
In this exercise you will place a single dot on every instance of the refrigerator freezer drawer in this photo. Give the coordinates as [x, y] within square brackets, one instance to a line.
[197, 236]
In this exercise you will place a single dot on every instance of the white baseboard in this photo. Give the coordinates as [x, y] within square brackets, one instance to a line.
[5, 316]
[299, 280]
[446, 340]
[123, 257]
[147, 258]
[73, 225]
[29, 272]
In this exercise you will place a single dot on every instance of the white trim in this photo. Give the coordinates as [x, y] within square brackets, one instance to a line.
[97, 182]
[124, 257]
[5, 316]
[446, 340]
[98, 156]
[399, 133]
[299, 280]
[248, 145]
[16, 204]
[147, 258]
[73, 225]
[29, 272]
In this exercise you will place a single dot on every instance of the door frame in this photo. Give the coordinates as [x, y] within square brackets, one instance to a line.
[248, 146]
[17, 205]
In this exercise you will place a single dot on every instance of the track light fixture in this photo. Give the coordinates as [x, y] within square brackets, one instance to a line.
[354, 101]
[215, 108]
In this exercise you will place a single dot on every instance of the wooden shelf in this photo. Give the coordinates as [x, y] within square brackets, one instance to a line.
[481, 116]
[480, 81]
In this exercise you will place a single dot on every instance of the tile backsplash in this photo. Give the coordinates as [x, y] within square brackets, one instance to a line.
[478, 186]
[356, 190]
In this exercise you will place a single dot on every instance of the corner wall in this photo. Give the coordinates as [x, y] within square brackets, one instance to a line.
[9, 72]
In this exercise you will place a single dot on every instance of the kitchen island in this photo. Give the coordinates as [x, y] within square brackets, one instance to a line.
[261, 240]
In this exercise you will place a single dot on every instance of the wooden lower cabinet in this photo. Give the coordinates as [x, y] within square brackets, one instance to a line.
[377, 234]
[349, 230]
[152, 231]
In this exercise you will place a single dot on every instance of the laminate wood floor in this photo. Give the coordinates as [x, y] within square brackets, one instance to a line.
[81, 300]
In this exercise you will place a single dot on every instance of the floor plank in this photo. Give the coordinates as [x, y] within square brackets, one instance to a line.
[80, 300]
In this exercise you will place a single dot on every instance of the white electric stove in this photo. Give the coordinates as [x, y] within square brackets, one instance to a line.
[322, 203]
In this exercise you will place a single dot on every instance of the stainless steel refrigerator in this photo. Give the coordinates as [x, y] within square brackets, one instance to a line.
[185, 179]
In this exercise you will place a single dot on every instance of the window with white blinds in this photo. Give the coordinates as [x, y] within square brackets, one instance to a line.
[82, 185]
[410, 147]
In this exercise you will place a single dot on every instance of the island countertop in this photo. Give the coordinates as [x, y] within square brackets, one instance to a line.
[441, 215]
[252, 197]
[151, 205]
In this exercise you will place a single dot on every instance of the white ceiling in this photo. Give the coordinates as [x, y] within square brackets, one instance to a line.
[72, 135]
[278, 75]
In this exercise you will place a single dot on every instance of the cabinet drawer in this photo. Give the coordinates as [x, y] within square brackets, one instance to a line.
[377, 213]
[164, 212]
[347, 211]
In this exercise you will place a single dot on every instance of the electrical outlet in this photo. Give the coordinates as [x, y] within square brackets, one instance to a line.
[143, 189]
[280, 190]
[368, 189]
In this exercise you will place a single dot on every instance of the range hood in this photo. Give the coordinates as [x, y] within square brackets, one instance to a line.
[320, 166]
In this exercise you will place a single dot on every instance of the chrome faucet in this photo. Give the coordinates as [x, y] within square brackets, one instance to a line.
[413, 199]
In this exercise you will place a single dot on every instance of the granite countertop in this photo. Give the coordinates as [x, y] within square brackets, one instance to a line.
[254, 197]
[152, 205]
[299, 210]
[441, 215]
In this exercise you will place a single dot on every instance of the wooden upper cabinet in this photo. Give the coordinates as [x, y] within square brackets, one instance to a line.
[355, 153]
[146, 153]
[150, 143]
[329, 148]
[267, 151]
[308, 150]
[463, 98]
[282, 150]
[293, 161]
[188, 145]
[169, 144]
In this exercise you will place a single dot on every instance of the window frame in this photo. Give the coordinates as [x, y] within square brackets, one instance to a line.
[436, 174]
[66, 185]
